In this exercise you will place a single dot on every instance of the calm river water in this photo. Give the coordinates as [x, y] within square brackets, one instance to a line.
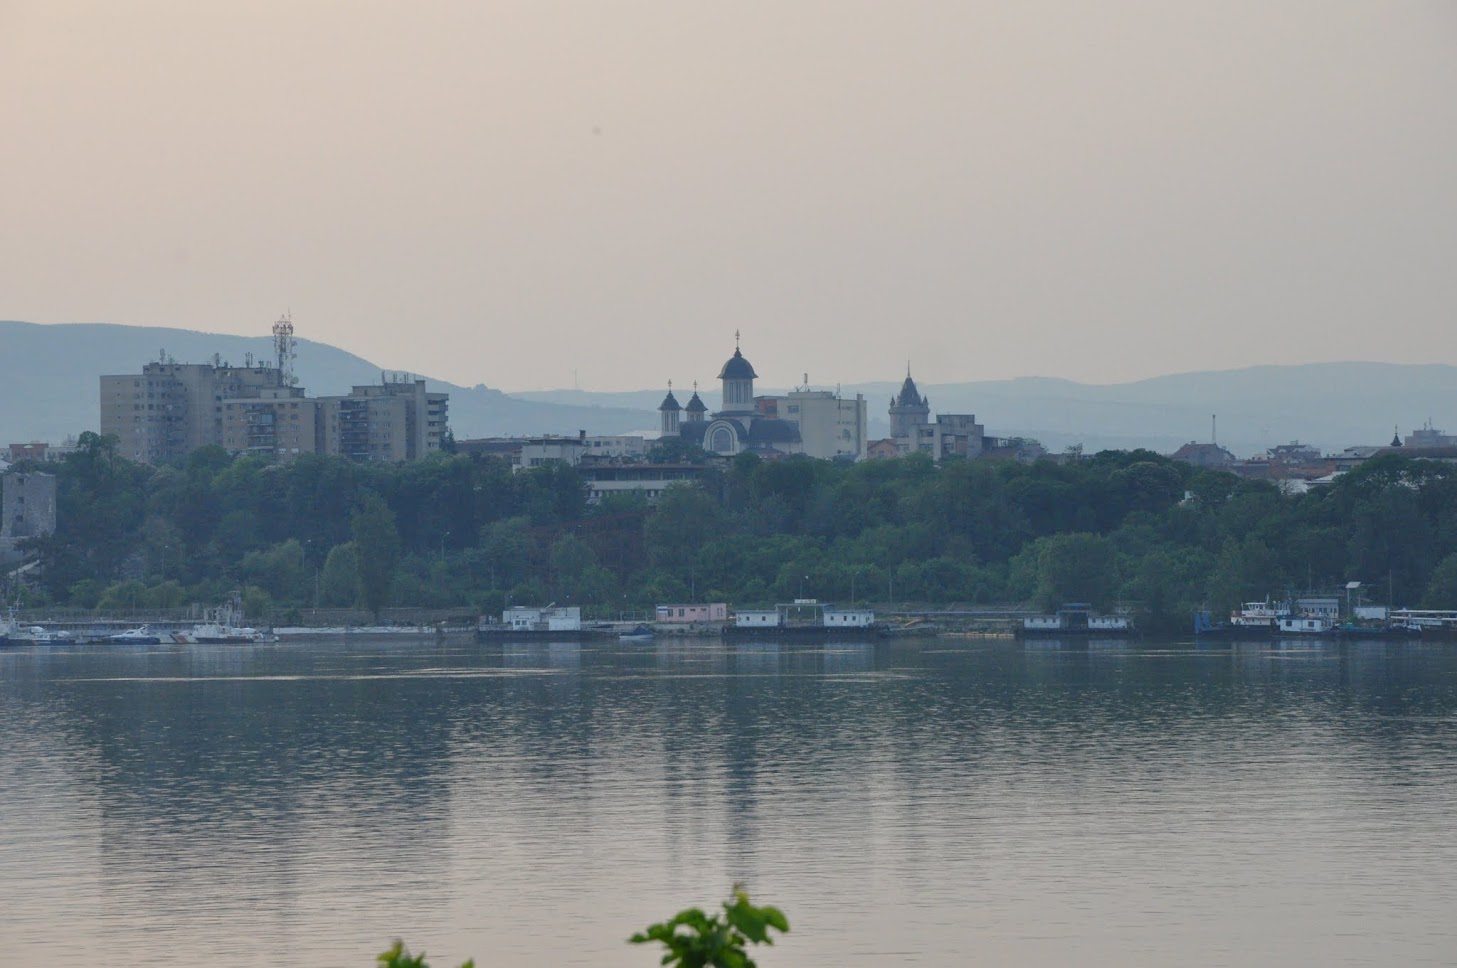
[928, 802]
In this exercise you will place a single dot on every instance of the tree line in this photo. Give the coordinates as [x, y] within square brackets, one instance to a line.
[465, 530]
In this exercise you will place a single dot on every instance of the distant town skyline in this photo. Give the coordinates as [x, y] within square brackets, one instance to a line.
[533, 196]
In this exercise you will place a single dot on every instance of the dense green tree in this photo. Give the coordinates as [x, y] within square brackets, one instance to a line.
[1076, 567]
[1441, 591]
[377, 542]
[339, 585]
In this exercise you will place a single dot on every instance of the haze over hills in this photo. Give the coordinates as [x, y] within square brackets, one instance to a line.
[1331, 405]
[51, 388]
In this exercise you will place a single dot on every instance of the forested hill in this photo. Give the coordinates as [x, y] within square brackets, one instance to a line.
[51, 385]
[1128, 527]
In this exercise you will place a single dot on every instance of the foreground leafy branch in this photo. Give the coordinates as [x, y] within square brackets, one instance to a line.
[399, 957]
[693, 938]
[697, 940]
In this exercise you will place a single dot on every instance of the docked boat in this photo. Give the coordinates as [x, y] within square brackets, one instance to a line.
[221, 628]
[638, 633]
[1076, 619]
[1251, 620]
[217, 633]
[1390, 630]
[803, 618]
[1317, 625]
[141, 635]
[13, 633]
[558, 622]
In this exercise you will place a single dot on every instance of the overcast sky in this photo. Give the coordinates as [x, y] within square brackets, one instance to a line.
[514, 193]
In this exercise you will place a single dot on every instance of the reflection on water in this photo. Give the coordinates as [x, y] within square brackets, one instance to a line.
[938, 802]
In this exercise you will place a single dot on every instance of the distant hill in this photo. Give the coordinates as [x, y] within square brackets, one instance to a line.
[51, 385]
[50, 390]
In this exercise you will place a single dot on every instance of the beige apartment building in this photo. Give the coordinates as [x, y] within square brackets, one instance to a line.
[390, 421]
[171, 409]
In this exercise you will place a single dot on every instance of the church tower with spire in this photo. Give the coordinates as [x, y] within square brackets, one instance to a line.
[669, 412]
[693, 413]
[907, 409]
[738, 382]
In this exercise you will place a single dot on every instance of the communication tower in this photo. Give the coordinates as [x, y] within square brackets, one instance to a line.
[284, 346]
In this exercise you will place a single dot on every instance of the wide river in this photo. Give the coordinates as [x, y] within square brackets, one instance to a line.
[930, 802]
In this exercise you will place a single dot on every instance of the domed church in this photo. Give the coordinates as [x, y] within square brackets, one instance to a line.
[816, 423]
[744, 423]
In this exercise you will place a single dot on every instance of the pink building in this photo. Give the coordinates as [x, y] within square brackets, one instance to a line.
[683, 614]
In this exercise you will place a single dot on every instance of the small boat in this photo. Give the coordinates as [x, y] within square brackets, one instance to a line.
[34, 635]
[219, 629]
[141, 635]
[639, 633]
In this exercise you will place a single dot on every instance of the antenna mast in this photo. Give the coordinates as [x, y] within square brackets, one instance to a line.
[284, 347]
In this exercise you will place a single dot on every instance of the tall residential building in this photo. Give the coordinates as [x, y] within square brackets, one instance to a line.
[394, 420]
[279, 423]
[170, 409]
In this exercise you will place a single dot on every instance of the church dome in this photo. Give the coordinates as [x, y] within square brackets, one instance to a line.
[737, 368]
[670, 402]
[696, 405]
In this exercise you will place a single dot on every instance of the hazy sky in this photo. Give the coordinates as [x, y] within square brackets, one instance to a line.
[508, 193]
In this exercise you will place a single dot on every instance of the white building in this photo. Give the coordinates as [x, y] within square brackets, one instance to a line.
[829, 425]
[553, 618]
[841, 618]
[686, 614]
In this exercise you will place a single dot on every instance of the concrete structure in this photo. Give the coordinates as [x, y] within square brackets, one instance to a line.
[40, 451]
[280, 423]
[28, 510]
[649, 480]
[841, 618]
[551, 449]
[686, 614]
[170, 409]
[1293, 453]
[558, 618]
[914, 432]
[830, 426]
[951, 435]
[1203, 455]
[573, 451]
[1429, 436]
[396, 419]
[619, 447]
[757, 618]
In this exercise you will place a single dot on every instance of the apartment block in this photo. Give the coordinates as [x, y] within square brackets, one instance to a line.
[391, 421]
[171, 409]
